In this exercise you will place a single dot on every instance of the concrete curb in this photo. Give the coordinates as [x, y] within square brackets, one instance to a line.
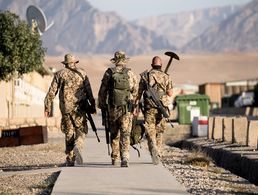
[240, 160]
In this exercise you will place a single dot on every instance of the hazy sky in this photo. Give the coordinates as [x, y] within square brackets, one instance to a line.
[132, 9]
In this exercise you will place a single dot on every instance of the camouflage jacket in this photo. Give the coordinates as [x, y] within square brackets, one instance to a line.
[162, 82]
[104, 88]
[72, 90]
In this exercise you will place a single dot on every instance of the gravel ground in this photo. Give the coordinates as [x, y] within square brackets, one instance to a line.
[199, 175]
[192, 169]
[32, 156]
[29, 184]
[39, 159]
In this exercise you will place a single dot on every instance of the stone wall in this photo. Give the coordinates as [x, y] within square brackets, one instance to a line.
[241, 130]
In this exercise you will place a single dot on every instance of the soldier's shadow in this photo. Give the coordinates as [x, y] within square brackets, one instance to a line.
[98, 165]
[109, 165]
[31, 167]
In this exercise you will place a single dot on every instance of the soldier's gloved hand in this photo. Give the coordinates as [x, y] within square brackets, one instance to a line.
[103, 106]
[46, 113]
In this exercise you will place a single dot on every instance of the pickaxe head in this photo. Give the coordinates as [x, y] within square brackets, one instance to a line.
[172, 55]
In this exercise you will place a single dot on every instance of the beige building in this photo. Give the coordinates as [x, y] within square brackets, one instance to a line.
[214, 90]
[24, 97]
[218, 90]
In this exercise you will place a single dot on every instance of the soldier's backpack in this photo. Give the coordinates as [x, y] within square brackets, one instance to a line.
[119, 89]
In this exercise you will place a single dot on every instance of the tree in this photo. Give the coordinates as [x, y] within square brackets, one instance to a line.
[21, 50]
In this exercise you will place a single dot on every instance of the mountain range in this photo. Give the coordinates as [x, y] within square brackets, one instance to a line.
[81, 28]
[180, 28]
[237, 33]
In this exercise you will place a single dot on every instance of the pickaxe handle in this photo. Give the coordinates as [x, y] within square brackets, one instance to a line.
[171, 55]
[168, 65]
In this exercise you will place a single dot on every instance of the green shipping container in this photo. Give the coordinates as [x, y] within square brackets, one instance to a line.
[191, 105]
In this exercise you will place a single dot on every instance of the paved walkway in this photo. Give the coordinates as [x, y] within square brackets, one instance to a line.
[97, 176]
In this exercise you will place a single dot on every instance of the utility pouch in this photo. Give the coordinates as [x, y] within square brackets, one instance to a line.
[130, 106]
[116, 113]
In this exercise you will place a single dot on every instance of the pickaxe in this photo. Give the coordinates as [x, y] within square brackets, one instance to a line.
[171, 55]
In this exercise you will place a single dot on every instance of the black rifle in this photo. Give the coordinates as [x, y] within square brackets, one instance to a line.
[86, 104]
[105, 123]
[93, 126]
[151, 93]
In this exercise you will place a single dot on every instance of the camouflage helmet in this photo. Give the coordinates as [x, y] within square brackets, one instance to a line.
[69, 59]
[119, 58]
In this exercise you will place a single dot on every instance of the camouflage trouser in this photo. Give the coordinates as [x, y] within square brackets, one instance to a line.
[120, 136]
[74, 126]
[154, 125]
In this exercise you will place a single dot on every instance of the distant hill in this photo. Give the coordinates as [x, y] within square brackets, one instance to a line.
[180, 28]
[239, 32]
[81, 28]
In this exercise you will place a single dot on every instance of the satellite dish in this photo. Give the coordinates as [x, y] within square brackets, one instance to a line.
[37, 19]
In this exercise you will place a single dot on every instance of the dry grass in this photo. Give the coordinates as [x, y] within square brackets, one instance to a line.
[197, 158]
[216, 170]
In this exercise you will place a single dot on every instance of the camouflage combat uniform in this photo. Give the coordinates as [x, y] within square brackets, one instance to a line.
[120, 119]
[154, 122]
[72, 90]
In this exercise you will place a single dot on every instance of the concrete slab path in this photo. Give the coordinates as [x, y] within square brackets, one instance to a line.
[98, 177]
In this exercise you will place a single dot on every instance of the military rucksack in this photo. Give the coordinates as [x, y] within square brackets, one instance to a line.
[119, 89]
[137, 133]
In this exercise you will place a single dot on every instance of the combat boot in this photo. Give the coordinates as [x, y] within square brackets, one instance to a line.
[155, 157]
[69, 161]
[115, 162]
[78, 155]
[125, 163]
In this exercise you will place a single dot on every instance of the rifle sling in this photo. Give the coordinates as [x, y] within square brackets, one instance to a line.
[77, 72]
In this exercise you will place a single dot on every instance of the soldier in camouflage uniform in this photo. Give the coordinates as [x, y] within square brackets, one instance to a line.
[154, 122]
[74, 87]
[120, 115]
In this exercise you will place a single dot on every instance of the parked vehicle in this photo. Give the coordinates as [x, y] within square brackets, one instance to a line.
[245, 99]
